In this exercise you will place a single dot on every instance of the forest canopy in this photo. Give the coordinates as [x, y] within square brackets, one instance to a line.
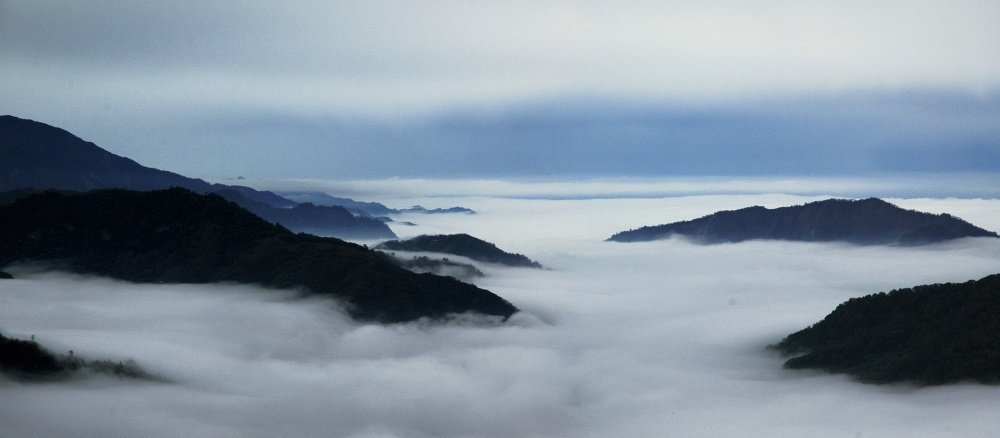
[930, 335]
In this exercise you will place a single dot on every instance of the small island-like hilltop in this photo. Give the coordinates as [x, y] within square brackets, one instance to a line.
[869, 221]
[928, 335]
[462, 245]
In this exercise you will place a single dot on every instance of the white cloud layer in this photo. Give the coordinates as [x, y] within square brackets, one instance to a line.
[357, 90]
[399, 192]
[387, 56]
[653, 339]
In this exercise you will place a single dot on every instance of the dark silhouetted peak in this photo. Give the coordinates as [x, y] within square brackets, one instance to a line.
[36, 155]
[461, 245]
[366, 208]
[25, 359]
[442, 266]
[178, 236]
[869, 221]
[308, 218]
[356, 207]
[421, 209]
[931, 335]
[28, 361]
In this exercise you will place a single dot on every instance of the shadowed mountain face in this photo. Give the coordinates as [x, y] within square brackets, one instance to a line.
[19, 357]
[177, 236]
[367, 208]
[313, 219]
[933, 334]
[44, 157]
[26, 360]
[867, 222]
[461, 245]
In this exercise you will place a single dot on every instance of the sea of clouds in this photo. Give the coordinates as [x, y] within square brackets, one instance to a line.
[662, 338]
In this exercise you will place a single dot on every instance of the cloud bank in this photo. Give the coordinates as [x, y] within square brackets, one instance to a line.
[431, 192]
[389, 56]
[650, 339]
[459, 89]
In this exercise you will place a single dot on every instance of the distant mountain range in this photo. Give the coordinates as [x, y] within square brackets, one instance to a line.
[36, 155]
[178, 236]
[462, 245]
[930, 335]
[310, 218]
[366, 208]
[869, 221]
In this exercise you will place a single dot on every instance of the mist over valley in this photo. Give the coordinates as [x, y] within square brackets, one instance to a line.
[637, 339]
[390, 219]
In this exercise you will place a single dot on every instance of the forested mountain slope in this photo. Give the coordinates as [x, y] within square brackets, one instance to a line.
[179, 236]
[869, 221]
[462, 245]
[36, 155]
[932, 334]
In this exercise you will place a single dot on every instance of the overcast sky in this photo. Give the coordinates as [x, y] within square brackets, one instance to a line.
[378, 88]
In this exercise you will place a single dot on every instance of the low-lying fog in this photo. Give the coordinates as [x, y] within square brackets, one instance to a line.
[641, 339]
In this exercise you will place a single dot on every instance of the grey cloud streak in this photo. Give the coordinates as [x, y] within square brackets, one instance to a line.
[460, 89]
[587, 46]
[865, 134]
[664, 338]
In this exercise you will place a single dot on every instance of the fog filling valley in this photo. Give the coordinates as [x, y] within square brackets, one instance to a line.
[664, 338]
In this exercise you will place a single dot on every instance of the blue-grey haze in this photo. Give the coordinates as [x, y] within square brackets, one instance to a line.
[860, 135]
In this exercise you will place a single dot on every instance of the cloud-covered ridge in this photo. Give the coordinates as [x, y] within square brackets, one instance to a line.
[643, 339]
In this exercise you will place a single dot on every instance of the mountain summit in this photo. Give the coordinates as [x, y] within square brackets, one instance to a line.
[178, 236]
[869, 221]
[461, 245]
[36, 155]
[42, 156]
[929, 335]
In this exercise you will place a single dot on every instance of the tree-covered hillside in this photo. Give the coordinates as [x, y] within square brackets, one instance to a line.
[39, 156]
[932, 334]
[869, 221]
[26, 360]
[181, 237]
[462, 245]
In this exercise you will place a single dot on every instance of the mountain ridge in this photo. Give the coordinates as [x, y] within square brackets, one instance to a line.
[929, 335]
[38, 155]
[462, 245]
[178, 236]
[365, 208]
[870, 221]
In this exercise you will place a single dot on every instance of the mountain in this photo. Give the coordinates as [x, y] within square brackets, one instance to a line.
[178, 236]
[366, 208]
[930, 335]
[357, 207]
[38, 155]
[869, 221]
[443, 266]
[461, 245]
[41, 156]
[26, 360]
[421, 209]
[313, 219]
